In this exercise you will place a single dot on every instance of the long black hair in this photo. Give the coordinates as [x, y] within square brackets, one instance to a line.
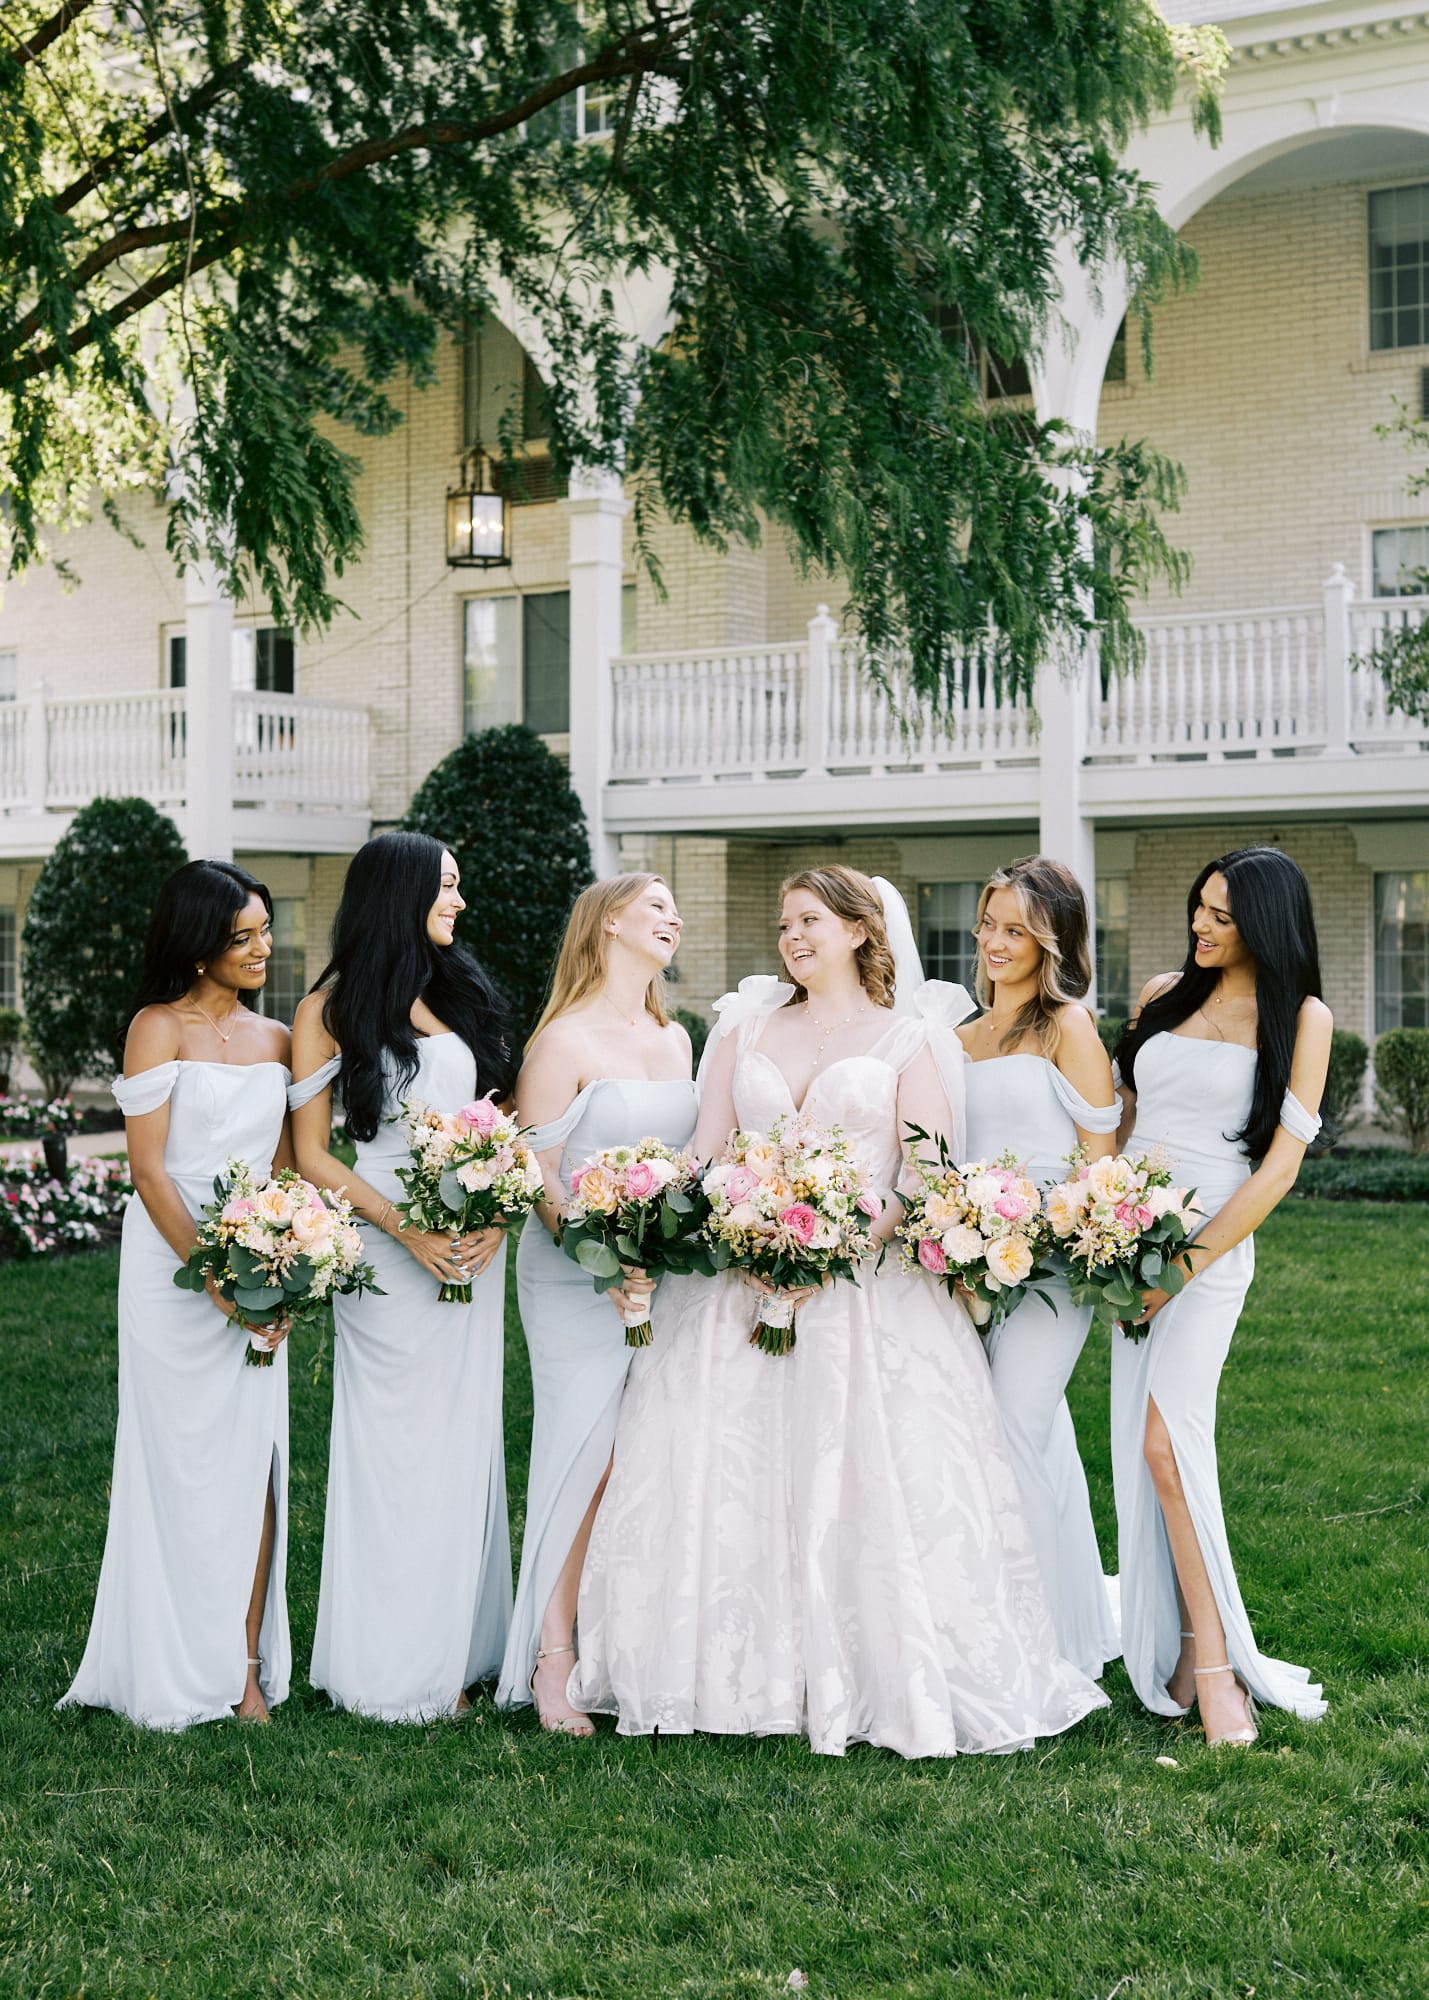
[192, 922]
[382, 960]
[1270, 905]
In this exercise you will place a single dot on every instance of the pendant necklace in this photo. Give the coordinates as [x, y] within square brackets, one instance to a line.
[232, 1022]
[635, 1023]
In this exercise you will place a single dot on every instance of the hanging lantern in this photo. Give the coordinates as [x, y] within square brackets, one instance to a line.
[478, 519]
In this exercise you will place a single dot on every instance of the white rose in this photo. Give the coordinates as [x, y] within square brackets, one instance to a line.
[963, 1245]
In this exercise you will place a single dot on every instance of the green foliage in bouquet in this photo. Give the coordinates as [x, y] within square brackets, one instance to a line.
[1401, 1075]
[84, 936]
[504, 806]
[648, 1236]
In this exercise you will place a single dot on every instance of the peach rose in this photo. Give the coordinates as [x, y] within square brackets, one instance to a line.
[312, 1225]
[598, 1192]
[274, 1205]
[1009, 1260]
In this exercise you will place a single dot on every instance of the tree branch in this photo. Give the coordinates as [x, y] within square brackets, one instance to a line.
[27, 51]
[197, 101]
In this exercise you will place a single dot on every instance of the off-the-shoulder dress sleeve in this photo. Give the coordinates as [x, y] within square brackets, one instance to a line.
[147, 1091]
[1091, 1117]
[541, 1138]
[304, 1092]
[1298, 1122]
[758, 996]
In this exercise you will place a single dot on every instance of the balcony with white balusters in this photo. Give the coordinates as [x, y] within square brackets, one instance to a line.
[1276, 708]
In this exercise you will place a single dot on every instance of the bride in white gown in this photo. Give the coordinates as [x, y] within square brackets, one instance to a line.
[830, 1542]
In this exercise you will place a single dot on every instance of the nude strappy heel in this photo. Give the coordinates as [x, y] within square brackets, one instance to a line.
[564, 1725]
[1249, 1733]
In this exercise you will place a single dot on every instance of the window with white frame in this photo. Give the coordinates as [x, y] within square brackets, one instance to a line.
[287, 965]
[9, 956]
[1114, 945]
[1399, 561]
[176, 659]
[598, 108]
[947, 912]
[516, 662]
[1399, 267]
[9, 679]
[504, 396]
[263, 659]
[1401, 950]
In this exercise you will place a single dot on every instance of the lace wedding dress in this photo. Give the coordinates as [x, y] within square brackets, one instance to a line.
[829, 1542]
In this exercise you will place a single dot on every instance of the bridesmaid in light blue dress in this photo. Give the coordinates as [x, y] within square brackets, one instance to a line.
[191, 1619]
[415, 1595]
[1224, 1066]
[1039, 1084]
[605, 1067]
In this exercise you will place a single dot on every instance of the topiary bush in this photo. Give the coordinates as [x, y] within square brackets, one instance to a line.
[1401, 1076]
[504, 806]
[1343, 1103]
[695, 1026]
[12, 1026]
[83, 941]
[1365, 1173]
[1111, 1028]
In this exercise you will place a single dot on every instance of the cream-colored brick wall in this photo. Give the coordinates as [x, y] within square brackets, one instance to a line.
[1266, 393]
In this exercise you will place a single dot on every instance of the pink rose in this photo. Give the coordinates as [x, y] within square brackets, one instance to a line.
[800, 1221]
[740, 1184]
[480, 1117]
[930, 1256]
[236, 1211]
[641, 1181]
[870, 1205]
[1010, 1207]
[312, 1225]
[578, 1174]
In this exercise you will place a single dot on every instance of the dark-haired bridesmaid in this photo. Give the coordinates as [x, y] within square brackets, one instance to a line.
[415, 1596]
[190, 1620]
[1223, 1066]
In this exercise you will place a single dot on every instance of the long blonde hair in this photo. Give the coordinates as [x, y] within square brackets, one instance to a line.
[585, 950]
[853, 897]
[1054, 909]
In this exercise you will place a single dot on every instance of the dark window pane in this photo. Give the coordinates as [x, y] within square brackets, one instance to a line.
[546, 662]
[178, 659]
[273, 660]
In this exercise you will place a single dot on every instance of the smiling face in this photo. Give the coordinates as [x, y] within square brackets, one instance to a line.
[1219, 945]
[1007, 947]
[649, 924]
[814, 942]
[242, 967]
[442, 916]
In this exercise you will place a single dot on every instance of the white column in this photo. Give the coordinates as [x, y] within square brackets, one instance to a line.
[823, 630]
[208, 707]
[1064, 831]
[1338, 593]
[596, 506]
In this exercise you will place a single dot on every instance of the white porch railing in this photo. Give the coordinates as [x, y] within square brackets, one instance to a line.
[58, 753]
[1239, 686]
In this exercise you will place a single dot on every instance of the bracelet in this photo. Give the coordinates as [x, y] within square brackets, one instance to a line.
[382, 1218]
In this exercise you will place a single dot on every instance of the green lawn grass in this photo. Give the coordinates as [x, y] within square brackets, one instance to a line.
[329, 1856]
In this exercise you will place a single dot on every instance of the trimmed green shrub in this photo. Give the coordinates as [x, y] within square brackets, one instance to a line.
[1111, 1028]
[83, 943]
[12, 1027]
[1343, 1104]
[504, 806]
[1401, 1075]
[695, 1026]
[1365, 1173]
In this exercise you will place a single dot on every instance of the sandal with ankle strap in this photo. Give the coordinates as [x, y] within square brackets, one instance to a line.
[1239, 1737]
[563, 1725]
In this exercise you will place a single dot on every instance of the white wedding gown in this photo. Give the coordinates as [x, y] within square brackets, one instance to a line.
[829, 1542]
[415, 1596]
[1191, 1095]
[1024, 1104]
[201, 1435]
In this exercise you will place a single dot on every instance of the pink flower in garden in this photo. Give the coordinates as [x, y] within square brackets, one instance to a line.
[930, 1256]
[641, 1181]
[480, 1117]
[800, 1221]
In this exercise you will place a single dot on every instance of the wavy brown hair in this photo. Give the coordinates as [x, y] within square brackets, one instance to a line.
[581, 960]
[853, 897]
[1054, 909]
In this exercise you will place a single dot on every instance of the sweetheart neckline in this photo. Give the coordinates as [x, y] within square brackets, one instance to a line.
[798, 1109]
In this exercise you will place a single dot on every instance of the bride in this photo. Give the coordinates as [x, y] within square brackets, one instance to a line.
[828, 1543]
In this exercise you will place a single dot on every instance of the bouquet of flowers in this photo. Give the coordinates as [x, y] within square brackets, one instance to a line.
[1118, 1224]
[469, 1169]
[980, 1226]
[636, 1208]
[278, 1249]
[792, 1206]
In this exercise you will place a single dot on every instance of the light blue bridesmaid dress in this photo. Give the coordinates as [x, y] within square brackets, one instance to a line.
[1024, 1104]
[1191, 1096]
[578, 1354]
[415, 1595]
